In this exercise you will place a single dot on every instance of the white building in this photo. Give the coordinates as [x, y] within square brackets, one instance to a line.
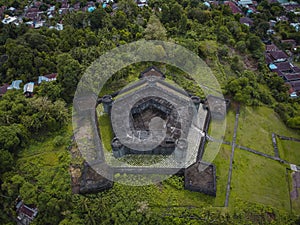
[9, 19]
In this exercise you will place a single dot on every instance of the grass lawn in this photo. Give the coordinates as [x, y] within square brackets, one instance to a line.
[230, 119]
[42, 158]
[55, 142]
[106, 132]
[171, 193]
[256, 126]
[289, 151]
[222, 165]
[260, 180]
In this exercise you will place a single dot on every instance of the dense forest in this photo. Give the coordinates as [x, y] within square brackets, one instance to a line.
[234, 52]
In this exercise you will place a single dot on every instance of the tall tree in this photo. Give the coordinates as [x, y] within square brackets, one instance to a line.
[155, 30]
[69, 73]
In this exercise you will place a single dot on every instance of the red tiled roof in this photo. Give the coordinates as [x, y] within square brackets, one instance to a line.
[268, 58]
[271, 47]
[3, 89]
[246, 20]
[51, 76]
[278, 55]
[26, 210]
[292, 76]
[296, 69]
[234, 8]
[283, 66]
[295, 85]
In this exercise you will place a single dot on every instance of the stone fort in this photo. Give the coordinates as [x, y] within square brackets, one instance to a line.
[156, 117]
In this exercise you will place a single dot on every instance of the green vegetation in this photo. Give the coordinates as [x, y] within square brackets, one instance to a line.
[106, 131]
[34, 136]
[142, 160]
[289, 151]
[42, 177]
[256, 126]
[105, 128]
[222, 164]
[258, 179]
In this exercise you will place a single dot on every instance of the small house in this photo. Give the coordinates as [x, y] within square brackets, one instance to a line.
[271, 48]
[295, 85]
[28, 89]
[247, 21]
[291, 77]
[9, 19]
[245, 3]
[15, 85]
[233, 7]
[46, 78]
[25, 213]
[278, 56]
[3, 89]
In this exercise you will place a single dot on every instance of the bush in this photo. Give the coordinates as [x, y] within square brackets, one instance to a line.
[58, 141]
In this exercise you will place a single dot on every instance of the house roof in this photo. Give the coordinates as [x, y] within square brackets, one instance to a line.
[276, 55]
[296, 69]
[284, 66]
[292, 77]
[152, 71]
[246, 20]
[268, 58]
[271, 47]
[3, 89]
[245, 2]
[234, 8]
[29, 212]
[51, 76]
[295, 85]
[28, 87]
[48, 77]
[15, 84]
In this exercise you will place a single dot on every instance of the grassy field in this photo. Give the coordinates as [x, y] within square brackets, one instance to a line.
[258, 179]
[289, 151]
[222, 165]
[230, 119]
[44, 166]
[256, 126]
[48, 147]
[105, 128]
